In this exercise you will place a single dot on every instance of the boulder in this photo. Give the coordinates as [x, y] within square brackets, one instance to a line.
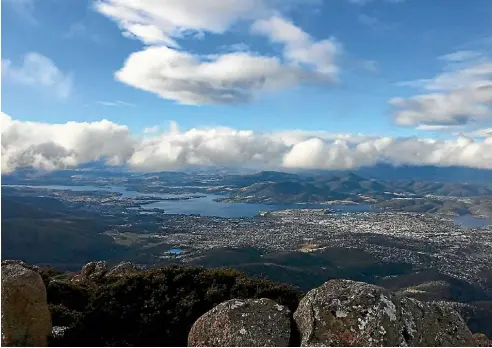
[121, 270]
[22, 263]
[350, 313]
[26, 319]
[247, 323]
[94, 271]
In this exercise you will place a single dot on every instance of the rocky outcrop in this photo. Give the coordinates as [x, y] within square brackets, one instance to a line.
[58, 331]
[244, 323]
[26, 320]
[477, 318]
[122, 269]
[95, 270]
[480, 340]
[98, 270]
[350, 313]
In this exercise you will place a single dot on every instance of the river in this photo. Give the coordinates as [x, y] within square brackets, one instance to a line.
[207, 206]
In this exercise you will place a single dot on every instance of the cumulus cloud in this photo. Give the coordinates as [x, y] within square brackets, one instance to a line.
[38, 71]
[223, 79]
[55, 146]
[461, 96]
[236, 76]
[160, 22]
[299, 47]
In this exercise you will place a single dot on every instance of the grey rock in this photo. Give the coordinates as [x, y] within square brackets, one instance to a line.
[480, 340]
[59, 331]
[94, 270]
[350, 313]
[22, 263]
[478, 318]
[246, 323]
[121, 270]
[26, 320]
[77, 279]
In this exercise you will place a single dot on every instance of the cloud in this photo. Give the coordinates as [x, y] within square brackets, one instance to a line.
[299, 47]
[150, 130]
[38, 71]
[365, 2]
[370, 21]
[115, 103]
[460, 95]
[222, 79]
[55, 146]
[460, 56]
[160, 22]
[24, 9]
[235, 75]
[80, 30]
[479, 133]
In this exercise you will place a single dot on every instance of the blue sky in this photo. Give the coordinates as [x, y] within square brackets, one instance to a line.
[381, 68]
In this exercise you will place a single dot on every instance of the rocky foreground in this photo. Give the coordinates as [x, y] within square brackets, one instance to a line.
[256, 312]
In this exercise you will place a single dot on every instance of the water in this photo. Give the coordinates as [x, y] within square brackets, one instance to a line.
[176, 251]
[205, 206]
[469, 221]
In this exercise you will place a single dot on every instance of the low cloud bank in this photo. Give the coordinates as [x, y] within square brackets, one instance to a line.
[57, 146]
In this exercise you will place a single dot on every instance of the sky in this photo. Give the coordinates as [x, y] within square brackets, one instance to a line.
[163, 84]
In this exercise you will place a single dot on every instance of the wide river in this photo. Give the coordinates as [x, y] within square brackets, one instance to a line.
[207, 206]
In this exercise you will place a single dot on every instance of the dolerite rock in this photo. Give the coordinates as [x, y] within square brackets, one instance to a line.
[121, 270]
[477, 318]
[22, 263]
[480, 340]
[246, 323]
[26, 319]
[94, 270]
[58, 332]
[350, 313]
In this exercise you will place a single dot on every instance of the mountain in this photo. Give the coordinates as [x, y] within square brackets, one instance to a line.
[452, 174]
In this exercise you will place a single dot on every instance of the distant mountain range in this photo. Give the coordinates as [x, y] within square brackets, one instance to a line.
[379, 172]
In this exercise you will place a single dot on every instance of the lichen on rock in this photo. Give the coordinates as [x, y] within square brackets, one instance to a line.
[94, 270]
[122, 269]
[259, 322]
[26, 319]
[350, 313]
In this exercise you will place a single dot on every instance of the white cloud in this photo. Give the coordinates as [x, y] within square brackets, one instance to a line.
[38, 71]
[460, 56]
[54, 146]
[460, 96]
[151, 130]
[223, 79]
[299, 47]
[114, 103]
[226, 78]
[160, 22]
[479, 133]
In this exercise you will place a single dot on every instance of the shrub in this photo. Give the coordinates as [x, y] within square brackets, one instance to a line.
[158, 307]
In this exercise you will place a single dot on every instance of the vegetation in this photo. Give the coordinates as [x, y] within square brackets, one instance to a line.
[151, 308]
